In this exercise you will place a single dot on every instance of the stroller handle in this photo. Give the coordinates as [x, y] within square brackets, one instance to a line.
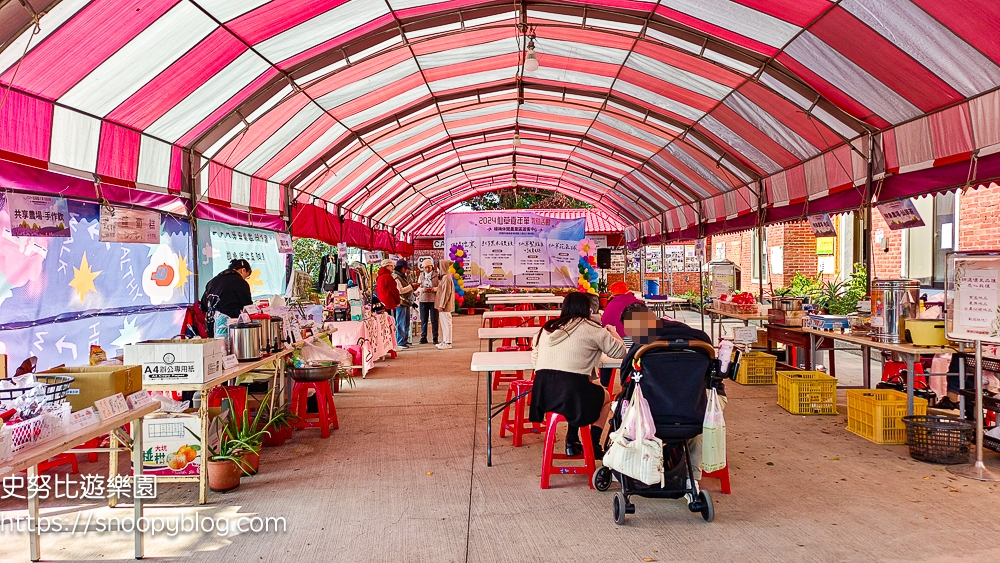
[677, 345]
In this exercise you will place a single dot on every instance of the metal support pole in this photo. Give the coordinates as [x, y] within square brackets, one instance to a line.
[977, 470]
[865, 240]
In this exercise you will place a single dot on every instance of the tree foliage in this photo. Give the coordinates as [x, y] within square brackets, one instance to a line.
[514, 198]
[308, 254]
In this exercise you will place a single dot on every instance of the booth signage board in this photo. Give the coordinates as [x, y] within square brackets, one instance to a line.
[439, 243]
[219, 243]
[699, 249]
[38, 215]
[900, 214]
[973, 308]
[617, 263]
[600, 241]
[822, 225]
[284, 243]
[516, 248]
[121, 224]
[745, 334]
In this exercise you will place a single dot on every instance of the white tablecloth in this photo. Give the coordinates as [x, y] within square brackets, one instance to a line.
[376, 335]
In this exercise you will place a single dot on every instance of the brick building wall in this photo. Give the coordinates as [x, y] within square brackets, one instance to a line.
[798, 253]
[979, 219]
[887, 257]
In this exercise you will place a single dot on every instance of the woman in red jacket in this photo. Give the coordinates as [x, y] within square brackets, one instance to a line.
[385, 286]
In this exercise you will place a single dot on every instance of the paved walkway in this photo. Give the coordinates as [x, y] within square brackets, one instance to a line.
[405, 479]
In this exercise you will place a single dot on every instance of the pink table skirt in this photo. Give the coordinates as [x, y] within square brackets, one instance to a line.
[376, 335]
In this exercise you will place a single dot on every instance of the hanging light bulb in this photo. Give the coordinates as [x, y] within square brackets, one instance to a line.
[517, 140]
[530, 59]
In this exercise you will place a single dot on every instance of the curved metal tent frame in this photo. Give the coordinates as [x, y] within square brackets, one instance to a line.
[677, 117]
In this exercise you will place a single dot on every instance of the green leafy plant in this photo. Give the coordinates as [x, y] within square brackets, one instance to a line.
[841, 298]
[804, 286]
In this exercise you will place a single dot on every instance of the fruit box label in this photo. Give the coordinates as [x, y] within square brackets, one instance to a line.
[170, 446]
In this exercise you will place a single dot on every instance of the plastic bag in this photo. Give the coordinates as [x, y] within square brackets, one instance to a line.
[630, 421]
[713, 436]
[325, 353]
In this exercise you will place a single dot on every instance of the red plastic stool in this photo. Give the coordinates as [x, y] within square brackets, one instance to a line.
[236, 394]
[327, 414]
[722, 475]
[61, 459]
[507, 376]
[516, 424]
[891, 370]
[552, 420]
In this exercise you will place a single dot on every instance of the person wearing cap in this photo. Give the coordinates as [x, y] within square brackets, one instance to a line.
[621, 300]
[405, 289]
[428, 282]
[232, 289]
[385, 287]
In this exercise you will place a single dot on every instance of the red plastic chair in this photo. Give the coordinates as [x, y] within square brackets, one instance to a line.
[552, 420]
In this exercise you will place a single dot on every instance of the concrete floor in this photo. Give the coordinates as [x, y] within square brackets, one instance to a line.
[405, 479]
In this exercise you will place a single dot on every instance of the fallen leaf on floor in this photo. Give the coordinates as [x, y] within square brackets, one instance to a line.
[835, 459]
[648, 559]
[770, 463]
[952, 490]
[430, 473]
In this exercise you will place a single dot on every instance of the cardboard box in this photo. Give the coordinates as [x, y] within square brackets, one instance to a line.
[97, 382]
[168, 446]
[166, 362]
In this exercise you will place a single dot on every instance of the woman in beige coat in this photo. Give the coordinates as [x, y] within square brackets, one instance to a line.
[444, 302]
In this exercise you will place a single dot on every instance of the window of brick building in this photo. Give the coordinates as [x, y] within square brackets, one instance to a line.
[927, 246]
[755, 257]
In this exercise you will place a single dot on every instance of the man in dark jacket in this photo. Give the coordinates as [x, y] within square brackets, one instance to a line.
[232, 289]
[405, 289]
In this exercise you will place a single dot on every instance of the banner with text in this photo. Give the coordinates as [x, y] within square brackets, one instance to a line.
[516, 248]
[219, 244]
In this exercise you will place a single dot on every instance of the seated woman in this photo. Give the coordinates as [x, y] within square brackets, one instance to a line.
[565, 354]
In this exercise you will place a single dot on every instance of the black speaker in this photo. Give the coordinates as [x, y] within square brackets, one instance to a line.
[604, 258]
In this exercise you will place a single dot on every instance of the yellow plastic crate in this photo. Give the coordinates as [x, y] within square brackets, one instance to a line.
[807, 392]
[757, 368]
[877, 414]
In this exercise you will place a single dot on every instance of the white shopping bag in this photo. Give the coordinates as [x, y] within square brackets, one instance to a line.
[713, 436]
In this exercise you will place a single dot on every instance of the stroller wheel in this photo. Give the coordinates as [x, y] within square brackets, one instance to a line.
[707, 506]
[602, 479]
[619, 508]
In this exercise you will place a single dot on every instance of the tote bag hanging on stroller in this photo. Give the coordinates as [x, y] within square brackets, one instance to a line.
[713, 435]
[640, 458]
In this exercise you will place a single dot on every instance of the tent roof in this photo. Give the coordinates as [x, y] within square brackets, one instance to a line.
[597, 221]
[673, 111]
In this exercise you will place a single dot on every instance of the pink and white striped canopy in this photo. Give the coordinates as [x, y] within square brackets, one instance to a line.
[396, 110]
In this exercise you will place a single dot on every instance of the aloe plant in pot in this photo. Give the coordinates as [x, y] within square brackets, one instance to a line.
[249, 432]
[225, 463]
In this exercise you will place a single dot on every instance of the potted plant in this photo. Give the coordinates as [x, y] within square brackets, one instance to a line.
[249, 432]
[225, 464]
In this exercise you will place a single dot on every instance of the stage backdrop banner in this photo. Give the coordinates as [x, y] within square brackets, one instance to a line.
[58, 296]
[516, 248]
[219, 243]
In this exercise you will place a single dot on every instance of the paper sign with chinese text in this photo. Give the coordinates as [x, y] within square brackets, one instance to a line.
[900, 214]
[822, 225]
[120, 224]
[974, 304]
[38, 215]
[284, 243]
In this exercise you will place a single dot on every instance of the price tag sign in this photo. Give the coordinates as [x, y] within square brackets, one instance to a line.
[284, 243]
[112, 406]
[82, 419]
[745, 335]
[139, 399]
[252, 309]
[230, 361]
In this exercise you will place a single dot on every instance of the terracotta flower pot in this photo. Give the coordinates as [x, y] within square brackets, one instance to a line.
[252, 463]
[223, 475]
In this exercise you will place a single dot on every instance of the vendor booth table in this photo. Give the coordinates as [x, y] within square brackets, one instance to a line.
[508, 361]
[274, 363]
[376, 335]
[792, 338]
[908, 352]
[30, 458]
[494, 334]
[717, 316]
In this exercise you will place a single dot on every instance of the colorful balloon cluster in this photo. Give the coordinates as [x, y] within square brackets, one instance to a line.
[587, 266]
[457, 270]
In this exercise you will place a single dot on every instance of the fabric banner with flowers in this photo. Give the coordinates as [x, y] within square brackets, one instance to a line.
[516, 248]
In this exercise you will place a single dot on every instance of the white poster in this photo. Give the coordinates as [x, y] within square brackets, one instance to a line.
[977, 292]
[777, 260]
[600, 241]
[496, 258]
[532, 263]
[121, 224]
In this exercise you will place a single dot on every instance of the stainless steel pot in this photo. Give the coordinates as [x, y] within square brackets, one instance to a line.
[277, 334]
[244, 341]
[314, 373]
[265, 331]
[787, 303]
[893, 301]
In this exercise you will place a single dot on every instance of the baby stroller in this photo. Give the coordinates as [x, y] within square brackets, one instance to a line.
[675, 375]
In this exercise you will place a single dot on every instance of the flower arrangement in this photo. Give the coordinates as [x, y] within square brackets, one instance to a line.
[457, 270]
[587, 266]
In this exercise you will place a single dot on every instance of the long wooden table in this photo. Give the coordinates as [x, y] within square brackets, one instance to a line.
[537, 314]
[794, 337]
[494, 334]
[714, 314]
[30, 458]
[908, 352]
[278, 375]
[508, 361]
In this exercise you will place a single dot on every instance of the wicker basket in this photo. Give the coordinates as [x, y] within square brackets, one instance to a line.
[56, 387]
[939, 439]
